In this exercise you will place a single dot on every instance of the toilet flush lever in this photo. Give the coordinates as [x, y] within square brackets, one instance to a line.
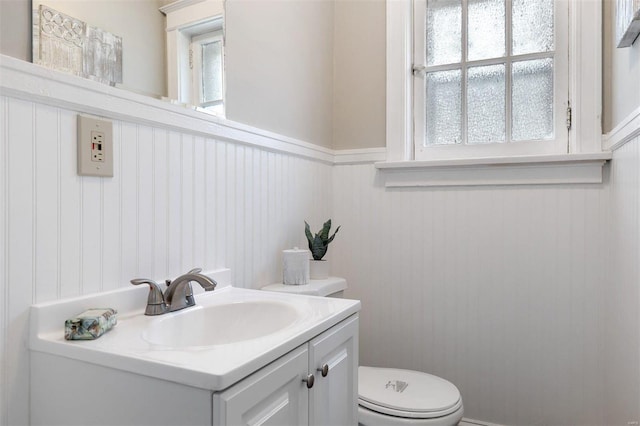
[324, 370]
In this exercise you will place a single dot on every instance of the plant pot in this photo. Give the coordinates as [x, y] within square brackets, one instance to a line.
[318, 269]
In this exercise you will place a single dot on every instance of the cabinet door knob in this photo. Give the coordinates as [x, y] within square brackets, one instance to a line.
[324, 370]
[309, 380]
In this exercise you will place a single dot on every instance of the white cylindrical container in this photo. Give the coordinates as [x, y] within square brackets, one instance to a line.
[295, 266]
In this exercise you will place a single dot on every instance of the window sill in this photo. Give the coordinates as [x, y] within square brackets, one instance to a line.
[519, 170]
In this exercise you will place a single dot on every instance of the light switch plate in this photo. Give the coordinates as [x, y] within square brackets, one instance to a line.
[95, 147]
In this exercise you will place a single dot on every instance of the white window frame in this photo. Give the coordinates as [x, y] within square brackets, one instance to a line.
[196, 71]
[187, 19]
[560, 56]
[585, 21]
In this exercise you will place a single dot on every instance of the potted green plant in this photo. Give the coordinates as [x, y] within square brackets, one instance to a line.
[318, 244]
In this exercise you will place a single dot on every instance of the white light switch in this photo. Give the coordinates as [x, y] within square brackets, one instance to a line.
[95, 147]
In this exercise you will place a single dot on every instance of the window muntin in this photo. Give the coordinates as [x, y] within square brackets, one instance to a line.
[497, 85]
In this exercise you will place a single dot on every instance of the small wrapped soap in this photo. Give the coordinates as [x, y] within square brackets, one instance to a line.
[90, 324]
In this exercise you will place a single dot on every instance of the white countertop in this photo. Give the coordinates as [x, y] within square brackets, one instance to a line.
[314, 288]
[206, 367]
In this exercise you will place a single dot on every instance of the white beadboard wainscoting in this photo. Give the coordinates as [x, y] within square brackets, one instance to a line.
[497, 289]
[527, 297]
[622, 288]
[176, 201]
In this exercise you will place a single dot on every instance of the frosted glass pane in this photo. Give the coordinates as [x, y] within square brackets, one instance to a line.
[486, 104]
[532, 95]
[212, 71]
[444, 32]
[443, 107]
[486, 29]
[532, 26]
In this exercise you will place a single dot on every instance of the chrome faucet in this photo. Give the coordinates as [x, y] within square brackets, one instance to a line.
[178, 295]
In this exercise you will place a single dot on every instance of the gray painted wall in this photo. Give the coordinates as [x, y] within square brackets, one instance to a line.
[322, 77]
[279, 60]
[15, 28]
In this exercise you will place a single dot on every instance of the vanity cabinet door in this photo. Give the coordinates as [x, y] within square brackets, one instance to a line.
[334, 397]
[274, 395]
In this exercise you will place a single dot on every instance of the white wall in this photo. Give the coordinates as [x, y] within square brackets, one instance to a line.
[177, 201]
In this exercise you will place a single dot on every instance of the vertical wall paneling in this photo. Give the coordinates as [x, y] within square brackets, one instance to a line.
[221, 205]
[174, 204]
[250, 210]
[622, 296]
[159, 203]
[526, 298]
[187, 172]
[199, 202]
[242, 201]
[46, 205]
[209, 207]
[231, 208]
[4, 254]
[20, 237]
[277, 200]
[112, 275]
[245, 228]
[129, 202]
[145, 190]
[494, 288]
[259, 211]
[69, 252]
[91, 242]
[176, 201]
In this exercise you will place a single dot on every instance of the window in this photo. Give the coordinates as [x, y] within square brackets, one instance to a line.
[488, 83]
[207, 64]
[490, 77]
[195, 53]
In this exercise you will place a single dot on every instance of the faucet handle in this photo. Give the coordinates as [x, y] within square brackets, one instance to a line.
[155, 301]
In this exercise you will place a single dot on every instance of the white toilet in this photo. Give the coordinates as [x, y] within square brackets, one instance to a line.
[389, 396]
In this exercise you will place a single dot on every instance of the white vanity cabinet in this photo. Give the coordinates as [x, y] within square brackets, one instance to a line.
[252, 373]
[70, 392]
[277, 395]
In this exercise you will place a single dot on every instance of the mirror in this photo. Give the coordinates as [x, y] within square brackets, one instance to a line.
[166, 49]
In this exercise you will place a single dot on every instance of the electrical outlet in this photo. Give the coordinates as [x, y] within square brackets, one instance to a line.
[95, 147]
[97, 141]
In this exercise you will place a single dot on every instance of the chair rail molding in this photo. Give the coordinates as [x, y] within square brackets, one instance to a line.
[27, 81]
[624, 132]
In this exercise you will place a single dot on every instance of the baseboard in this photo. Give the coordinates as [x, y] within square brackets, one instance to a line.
[471, 422]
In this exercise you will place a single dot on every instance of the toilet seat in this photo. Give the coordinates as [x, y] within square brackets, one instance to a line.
[406, 393]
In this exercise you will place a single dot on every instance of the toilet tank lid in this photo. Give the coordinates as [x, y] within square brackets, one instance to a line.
[314, 288]
[406, 393]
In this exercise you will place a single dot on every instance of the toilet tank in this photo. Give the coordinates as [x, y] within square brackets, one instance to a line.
[331, 287]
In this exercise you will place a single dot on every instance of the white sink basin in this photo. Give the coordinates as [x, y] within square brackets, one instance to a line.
[220, 324]
[230, 333]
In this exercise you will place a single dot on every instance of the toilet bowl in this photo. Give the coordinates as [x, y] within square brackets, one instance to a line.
[389, 396]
